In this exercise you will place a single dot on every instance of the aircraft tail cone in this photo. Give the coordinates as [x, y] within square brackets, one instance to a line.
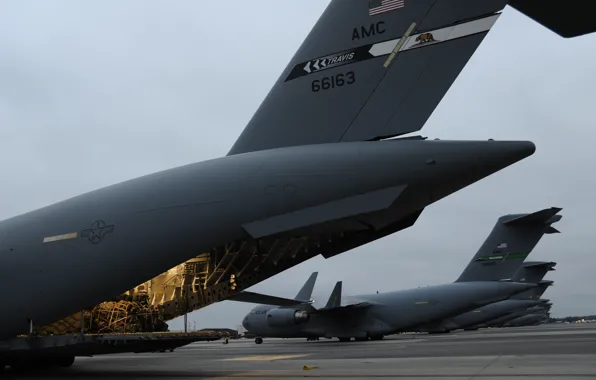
[461, 163]
[489, 157]
[513, 288]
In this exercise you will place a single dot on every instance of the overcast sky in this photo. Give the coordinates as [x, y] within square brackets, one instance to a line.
[97, 92]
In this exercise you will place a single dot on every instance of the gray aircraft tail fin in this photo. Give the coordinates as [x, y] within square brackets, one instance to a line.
[335, 297]
[542, 286]
[369, 70]
[511, 240]
[334, 302]
[568, 19]
[306, 292]
[533, 271]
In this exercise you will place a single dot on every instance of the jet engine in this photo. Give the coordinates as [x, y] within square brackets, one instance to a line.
[286, 317]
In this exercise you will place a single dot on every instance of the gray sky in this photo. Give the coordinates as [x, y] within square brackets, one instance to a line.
[94, 93]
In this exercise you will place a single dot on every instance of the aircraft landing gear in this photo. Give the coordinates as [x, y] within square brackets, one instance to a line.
[258, 340]
[345, 339]
[312, 338]
[376, 337]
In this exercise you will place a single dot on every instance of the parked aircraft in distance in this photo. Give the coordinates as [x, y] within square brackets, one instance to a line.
[485, 280]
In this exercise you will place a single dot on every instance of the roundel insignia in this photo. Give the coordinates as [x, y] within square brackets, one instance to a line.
[97, 232]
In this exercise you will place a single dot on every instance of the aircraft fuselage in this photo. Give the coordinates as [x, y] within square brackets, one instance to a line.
[79, 252]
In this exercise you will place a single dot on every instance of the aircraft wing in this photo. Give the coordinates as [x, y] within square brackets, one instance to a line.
[264, 299]
[353, 306]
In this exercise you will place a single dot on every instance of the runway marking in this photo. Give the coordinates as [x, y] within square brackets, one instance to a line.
[265, 357]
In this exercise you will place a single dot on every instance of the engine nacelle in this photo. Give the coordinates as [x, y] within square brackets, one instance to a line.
[286, 317]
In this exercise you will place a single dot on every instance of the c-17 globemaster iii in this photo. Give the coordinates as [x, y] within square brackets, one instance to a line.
[307, 176]
[531, 272]
[501, 321]
[485, 280]
[535, 318]
[521, 228]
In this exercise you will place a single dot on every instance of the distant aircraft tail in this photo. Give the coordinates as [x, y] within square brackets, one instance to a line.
[376, 69]
[335, 297]
[538, 292]
[305, 293]
[511, 240]
[533, 271]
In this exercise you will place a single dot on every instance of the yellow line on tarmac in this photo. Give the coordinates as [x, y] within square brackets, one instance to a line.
[266, 357]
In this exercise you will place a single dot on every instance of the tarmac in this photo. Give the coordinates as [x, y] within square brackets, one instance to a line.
[542, 352]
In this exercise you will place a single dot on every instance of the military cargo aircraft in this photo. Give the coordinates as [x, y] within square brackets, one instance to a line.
[322, 167]
[485, 280]
[501, 321]
[530, 272]
[529, 319]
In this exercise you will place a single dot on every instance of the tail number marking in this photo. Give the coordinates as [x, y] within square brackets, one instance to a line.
[333, 81]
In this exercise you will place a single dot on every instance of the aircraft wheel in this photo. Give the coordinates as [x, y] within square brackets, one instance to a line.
[344, 339]
[258, 340]
[360, 339]
[376, 337]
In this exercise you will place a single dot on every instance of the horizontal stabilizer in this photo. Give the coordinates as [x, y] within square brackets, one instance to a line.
[552, 230]
[550, 265]
[335, 298]
[264, 299]
[546, 216]
[568, 19]
[334, 210]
